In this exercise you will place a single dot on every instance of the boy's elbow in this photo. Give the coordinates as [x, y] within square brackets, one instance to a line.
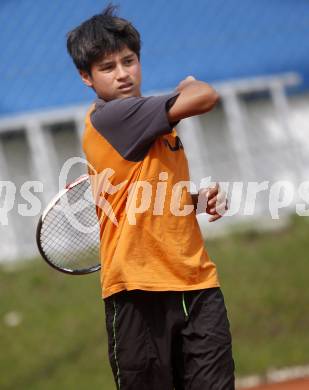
[216, 97]
[209, 100]
[196, 99]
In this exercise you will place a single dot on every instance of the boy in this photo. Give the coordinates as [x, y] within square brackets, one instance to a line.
[165, 314]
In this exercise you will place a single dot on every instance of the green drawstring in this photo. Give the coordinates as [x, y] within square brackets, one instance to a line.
[184, 305]
[115, 344]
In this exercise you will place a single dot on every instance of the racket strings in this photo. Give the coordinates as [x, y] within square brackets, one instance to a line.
[70, 231]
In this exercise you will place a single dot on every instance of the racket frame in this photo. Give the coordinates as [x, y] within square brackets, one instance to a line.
[51, 204]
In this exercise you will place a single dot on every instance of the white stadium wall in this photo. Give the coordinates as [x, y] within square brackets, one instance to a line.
[256, 133]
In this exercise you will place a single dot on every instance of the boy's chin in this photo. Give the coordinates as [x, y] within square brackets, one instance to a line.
[127, 94]
[121, 95]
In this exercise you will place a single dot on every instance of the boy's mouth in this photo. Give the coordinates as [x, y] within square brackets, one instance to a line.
[126, 86]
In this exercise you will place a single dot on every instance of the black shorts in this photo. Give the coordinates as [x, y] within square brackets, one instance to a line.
[169, 340]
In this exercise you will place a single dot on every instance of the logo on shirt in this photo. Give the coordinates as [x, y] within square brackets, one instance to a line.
[178, 144]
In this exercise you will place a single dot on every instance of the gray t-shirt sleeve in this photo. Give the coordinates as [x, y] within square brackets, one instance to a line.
[131, 125]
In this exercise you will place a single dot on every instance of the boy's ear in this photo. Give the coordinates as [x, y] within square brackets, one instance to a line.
[86, 78]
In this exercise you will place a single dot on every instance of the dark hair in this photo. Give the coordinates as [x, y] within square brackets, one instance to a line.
[101, 35]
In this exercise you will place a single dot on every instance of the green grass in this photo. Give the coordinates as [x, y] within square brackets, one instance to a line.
[264, 278]
[61, 340]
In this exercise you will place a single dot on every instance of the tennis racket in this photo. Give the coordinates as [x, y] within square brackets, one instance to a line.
[68, 230]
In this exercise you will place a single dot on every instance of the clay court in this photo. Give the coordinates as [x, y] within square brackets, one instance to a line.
[296, 384]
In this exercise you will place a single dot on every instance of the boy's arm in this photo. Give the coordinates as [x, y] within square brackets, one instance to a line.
[195, 98]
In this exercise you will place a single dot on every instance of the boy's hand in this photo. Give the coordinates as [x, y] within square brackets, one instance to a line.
[213, 201]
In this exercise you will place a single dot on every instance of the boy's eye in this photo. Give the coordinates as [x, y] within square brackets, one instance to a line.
[107, 68]
[128, 61]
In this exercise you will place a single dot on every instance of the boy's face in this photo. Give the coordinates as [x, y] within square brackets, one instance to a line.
[117, 75]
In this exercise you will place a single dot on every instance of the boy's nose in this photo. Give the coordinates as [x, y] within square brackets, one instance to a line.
[121, 72]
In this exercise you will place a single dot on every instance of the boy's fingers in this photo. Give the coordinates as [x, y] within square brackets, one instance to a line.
[214, 218]
[213, 201]
[212, 191]
[219, 198]
[219, 212]
[219, 209]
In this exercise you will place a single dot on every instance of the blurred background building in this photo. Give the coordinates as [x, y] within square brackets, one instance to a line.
[254, 53]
